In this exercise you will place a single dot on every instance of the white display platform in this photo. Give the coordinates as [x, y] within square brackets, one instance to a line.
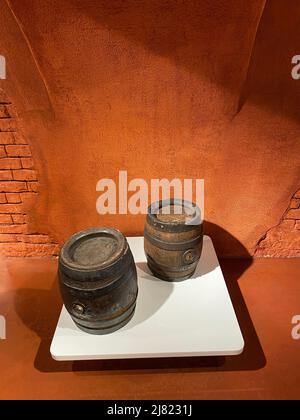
[191, 318]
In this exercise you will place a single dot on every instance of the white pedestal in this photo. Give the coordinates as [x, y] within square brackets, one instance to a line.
[191, 318]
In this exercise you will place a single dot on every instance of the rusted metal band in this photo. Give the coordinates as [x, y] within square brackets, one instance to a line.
[166, 268]
[95, 286]
[175, 246]
[152, 219]
[107, 326]
[171, 274]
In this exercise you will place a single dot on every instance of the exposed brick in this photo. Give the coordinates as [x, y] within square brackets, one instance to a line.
[12, 186]
[13, 198]
[33, 186]
[18, 218]
[4, 111]
[18, 190]
[11, 111]
[2, 152]
[295, 203]
[285, 226]
[293, 214]
[34, 239]
[20, 249]
[278, 252]
[7, 138]
[19, 138]
[28, 199]
[24, 175]
[27, 163]
[18, 150]
[280, 241]
[297, 195]
[8, 125]
[18, 229]
[3, 97]
[11, 208]
[10, 163]
[5, 218]
[6, 175]
[9, 237]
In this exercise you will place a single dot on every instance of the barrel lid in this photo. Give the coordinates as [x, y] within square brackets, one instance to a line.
[93, 249]
[175, 214]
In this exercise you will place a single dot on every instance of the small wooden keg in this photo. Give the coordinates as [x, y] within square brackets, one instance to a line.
[98, 280]
[173, 239]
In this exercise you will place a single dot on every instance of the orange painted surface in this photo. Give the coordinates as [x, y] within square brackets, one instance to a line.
[168, 89]
[265, 296]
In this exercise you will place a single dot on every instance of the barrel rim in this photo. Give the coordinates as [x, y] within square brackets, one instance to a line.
[65, 253]
[157, 205]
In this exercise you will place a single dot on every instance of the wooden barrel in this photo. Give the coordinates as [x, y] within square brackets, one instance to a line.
[173, 239]
[98, 280]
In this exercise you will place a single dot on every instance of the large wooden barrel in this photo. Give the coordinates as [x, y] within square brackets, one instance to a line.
[173, 239]
[98, 280]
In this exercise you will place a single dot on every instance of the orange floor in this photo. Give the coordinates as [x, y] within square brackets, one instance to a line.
[266, 296]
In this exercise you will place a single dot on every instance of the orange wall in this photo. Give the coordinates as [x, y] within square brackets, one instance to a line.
[189, 89]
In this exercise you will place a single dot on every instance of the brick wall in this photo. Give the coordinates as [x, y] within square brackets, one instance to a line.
[283, 240]
[19, 187]
[18, 190]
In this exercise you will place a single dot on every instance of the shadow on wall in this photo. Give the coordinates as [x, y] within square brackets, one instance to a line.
[196, 34]
[39, 311]
[225, 243]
